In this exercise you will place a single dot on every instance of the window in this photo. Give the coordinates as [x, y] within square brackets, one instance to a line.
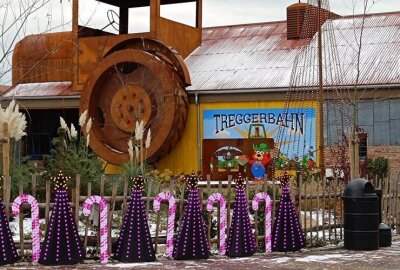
[380, 118]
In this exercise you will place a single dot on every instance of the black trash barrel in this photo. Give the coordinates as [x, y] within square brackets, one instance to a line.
[361, 216]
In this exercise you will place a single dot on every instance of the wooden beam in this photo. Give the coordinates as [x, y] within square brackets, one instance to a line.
[199, 14]
[123, 20]
[75, 49]
[154, 15]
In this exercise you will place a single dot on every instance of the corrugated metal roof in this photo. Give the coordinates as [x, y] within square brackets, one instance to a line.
[48, 89]
[260, 56]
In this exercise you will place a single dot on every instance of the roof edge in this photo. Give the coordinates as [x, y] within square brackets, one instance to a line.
[285, 89]
[284, 21]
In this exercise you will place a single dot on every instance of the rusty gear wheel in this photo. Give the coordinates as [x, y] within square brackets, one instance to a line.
[131, 85]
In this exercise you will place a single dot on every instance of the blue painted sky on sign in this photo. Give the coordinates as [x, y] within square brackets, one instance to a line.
[297, 132]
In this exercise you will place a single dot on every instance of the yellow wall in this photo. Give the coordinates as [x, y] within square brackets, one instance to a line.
[183, 158]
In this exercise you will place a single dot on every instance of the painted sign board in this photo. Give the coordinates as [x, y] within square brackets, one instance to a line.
[292, 131]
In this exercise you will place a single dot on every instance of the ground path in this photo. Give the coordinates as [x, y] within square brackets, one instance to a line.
[332, 258]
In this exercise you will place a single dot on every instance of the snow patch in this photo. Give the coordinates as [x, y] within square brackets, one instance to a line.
[130, 265]
[321, 258]
[280, 260]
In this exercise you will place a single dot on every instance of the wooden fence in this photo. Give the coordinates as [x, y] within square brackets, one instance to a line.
[318, 204]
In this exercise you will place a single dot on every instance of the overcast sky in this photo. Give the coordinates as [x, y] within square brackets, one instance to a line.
[56, 15]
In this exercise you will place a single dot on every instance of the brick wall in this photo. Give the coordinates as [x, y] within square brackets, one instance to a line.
[390, 152]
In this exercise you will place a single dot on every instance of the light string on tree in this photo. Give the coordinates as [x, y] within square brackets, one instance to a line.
[287, 234]
[134, 242]
[87, 207]
[62, 236]
[191, 241]
[8, 251]
[268, 220]
[166, 196]
[241, 240]
[222, 218]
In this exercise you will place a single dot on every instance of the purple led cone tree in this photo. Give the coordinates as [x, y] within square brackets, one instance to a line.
[287, 233]
[134, 242]
[241, 240]
[191, 242]
[7, 246]
[61, 245]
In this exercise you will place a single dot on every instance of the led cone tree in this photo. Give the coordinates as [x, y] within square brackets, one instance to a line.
[192, 241]
[287, 233]
[134, 242]
[62, 244]
[8, 251]
[241, 240]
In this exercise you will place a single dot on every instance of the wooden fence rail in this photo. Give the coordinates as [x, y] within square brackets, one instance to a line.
[318, 204]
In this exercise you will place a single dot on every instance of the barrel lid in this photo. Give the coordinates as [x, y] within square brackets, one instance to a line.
[359, 188]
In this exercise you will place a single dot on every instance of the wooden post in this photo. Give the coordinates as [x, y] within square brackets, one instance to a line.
[296, 192]
[149, 185]
[209, 214]
[21, 224]
[102, 183]
[46, 213]
[34, 180]
[265, 186]
[273, 200]
[228, 200]
[181, 203]
[218, 213]
[89, 193]
[124, 203]
[7, 179]
[110, 216]
[77, 195]
[6, 167]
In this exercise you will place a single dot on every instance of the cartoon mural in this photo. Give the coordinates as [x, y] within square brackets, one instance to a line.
[293, 132]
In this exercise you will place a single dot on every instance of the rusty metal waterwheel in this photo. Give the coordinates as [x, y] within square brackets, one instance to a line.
[130, 85]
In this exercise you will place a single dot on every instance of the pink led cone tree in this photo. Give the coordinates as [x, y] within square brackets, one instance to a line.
[241, 240]
[8, 251]
[62, 245]
[191, 242]
[134, 242]
[287, 234]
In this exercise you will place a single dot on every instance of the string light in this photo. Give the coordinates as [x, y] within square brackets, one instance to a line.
[62, 244]
[134, 243]
[287, 233]
[192, 238]
[241, 240]
[7, 246]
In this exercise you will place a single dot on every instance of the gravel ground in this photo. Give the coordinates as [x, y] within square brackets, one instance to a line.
[331, 258]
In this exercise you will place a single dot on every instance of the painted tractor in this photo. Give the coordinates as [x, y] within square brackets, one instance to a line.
[122, 78]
